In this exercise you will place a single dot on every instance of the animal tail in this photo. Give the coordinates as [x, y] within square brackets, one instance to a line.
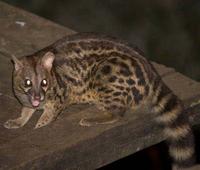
[175, 122]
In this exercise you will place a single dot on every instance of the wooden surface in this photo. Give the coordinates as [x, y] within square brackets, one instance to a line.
[64, 144]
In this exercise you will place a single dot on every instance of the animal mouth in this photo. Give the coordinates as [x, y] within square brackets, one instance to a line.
[35, 102]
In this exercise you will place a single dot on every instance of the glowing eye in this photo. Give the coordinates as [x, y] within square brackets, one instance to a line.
[44, 83]
[28, 83]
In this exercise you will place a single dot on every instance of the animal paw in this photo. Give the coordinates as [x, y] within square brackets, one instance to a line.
[85, 122]
[40, 124]
[13, 124]
[43, 121]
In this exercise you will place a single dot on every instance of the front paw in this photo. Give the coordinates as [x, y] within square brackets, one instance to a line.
[85, 122]
[43, 121]
[40, 124]
[12, 124]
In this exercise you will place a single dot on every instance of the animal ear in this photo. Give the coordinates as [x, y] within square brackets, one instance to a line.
[17, 63]
[47, 60]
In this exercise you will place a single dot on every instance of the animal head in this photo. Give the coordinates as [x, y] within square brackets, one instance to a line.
[32, 78]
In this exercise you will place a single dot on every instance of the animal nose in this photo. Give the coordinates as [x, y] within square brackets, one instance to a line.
[37, 97]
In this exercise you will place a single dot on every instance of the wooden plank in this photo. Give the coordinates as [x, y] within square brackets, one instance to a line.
[64, 144]
[197, 167]
[5, 76]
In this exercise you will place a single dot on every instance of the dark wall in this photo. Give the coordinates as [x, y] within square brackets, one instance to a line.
[168, 31]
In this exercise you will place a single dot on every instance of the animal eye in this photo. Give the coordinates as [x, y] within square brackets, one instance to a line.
[44, 83]
[28, 83]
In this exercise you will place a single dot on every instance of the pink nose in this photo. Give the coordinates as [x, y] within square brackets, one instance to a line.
[37, 97]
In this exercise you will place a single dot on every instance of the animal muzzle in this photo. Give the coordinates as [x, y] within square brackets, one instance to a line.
[35, 101]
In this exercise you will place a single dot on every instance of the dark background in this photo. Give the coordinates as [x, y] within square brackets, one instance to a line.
[168, 31]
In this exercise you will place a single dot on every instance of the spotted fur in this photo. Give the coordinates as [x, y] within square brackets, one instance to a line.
[88, 68]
